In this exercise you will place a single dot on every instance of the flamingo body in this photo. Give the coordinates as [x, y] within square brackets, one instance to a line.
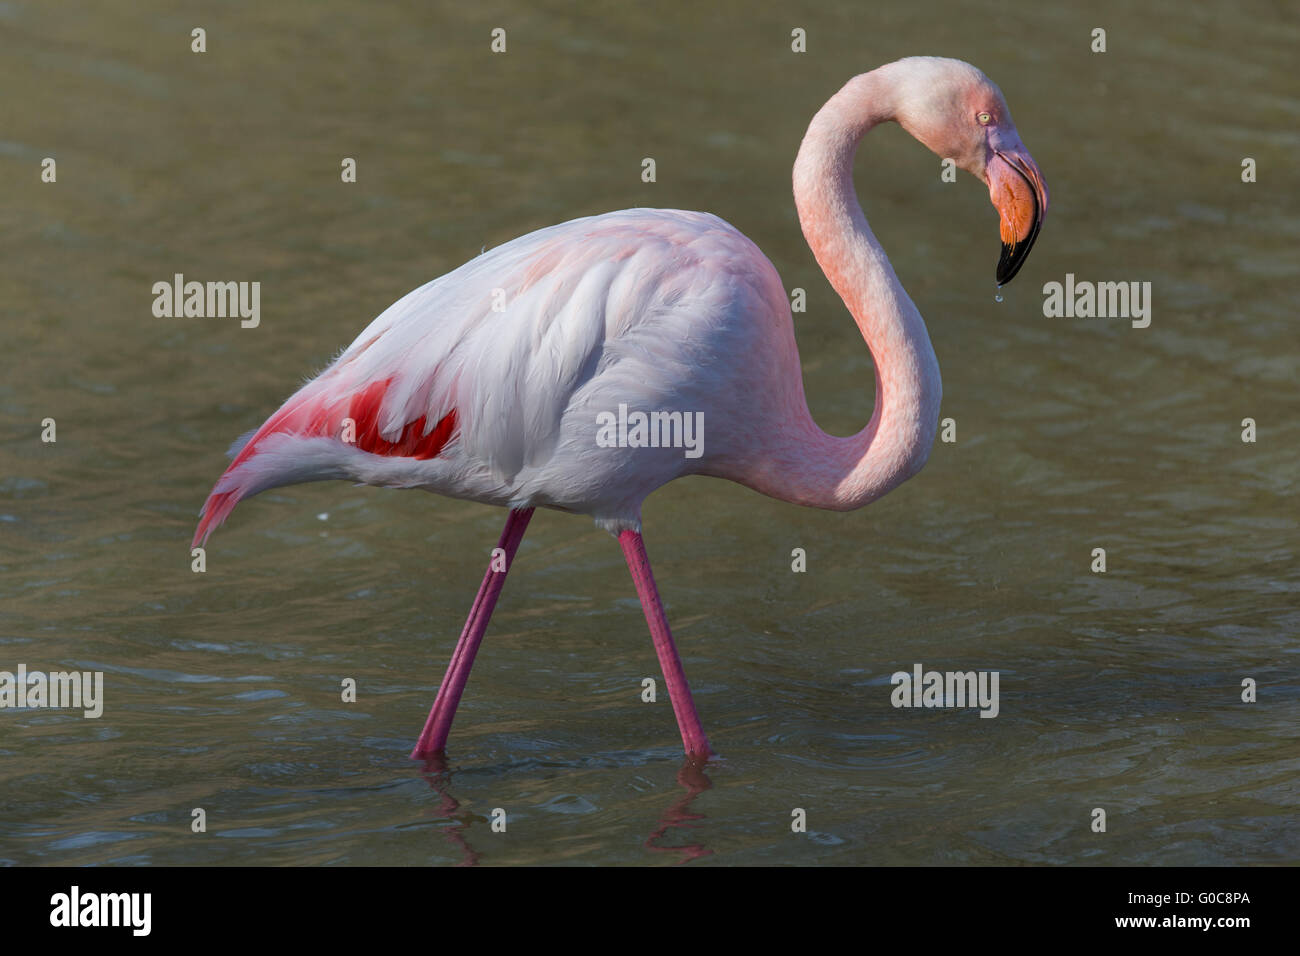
[654, 309]
[490, 383]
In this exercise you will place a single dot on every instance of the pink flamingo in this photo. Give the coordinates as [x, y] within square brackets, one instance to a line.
[492, 382]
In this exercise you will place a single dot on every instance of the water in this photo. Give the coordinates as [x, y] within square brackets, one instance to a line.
[1118, 690]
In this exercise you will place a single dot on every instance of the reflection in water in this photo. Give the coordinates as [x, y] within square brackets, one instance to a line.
[691, 777]
[437, 774]
[695, 781]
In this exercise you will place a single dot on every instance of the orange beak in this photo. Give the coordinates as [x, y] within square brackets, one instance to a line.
[1019, 194]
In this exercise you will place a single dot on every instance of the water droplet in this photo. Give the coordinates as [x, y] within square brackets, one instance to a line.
[997, 293]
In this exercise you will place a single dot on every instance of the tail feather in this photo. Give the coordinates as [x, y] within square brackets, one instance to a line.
[312, 438]
[214, 512]
[238, 444]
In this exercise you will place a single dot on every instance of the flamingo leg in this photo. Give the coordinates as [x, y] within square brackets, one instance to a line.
[688, 721]
[433, 739]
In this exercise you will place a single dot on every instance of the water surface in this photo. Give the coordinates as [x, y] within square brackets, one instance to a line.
[1119, 690]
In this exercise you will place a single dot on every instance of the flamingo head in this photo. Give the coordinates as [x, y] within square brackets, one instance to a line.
[959, 113]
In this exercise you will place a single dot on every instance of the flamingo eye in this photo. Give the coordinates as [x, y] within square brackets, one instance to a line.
[984, 118]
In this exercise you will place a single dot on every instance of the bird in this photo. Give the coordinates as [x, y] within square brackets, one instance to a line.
[582, 366]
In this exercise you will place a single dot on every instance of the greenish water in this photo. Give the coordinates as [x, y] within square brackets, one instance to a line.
[1118, 690]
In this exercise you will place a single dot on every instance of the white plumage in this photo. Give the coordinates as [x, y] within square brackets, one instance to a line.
[655, 309]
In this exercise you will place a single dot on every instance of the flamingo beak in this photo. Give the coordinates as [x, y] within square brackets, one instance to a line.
[1019, 194]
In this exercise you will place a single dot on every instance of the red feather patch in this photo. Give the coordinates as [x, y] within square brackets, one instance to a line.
[412, 443]
[354, 419]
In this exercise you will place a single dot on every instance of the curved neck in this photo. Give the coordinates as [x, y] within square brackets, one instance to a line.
[814, 468]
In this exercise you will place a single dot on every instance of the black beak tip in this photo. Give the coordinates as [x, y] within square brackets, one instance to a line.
[1012, 258]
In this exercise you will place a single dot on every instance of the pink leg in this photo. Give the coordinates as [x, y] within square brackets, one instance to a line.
[433, 740]
[688, 721]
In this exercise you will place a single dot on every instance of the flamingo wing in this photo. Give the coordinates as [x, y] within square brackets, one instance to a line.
[485, 359]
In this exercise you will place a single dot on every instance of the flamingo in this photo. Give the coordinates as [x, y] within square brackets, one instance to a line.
[491, 382]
